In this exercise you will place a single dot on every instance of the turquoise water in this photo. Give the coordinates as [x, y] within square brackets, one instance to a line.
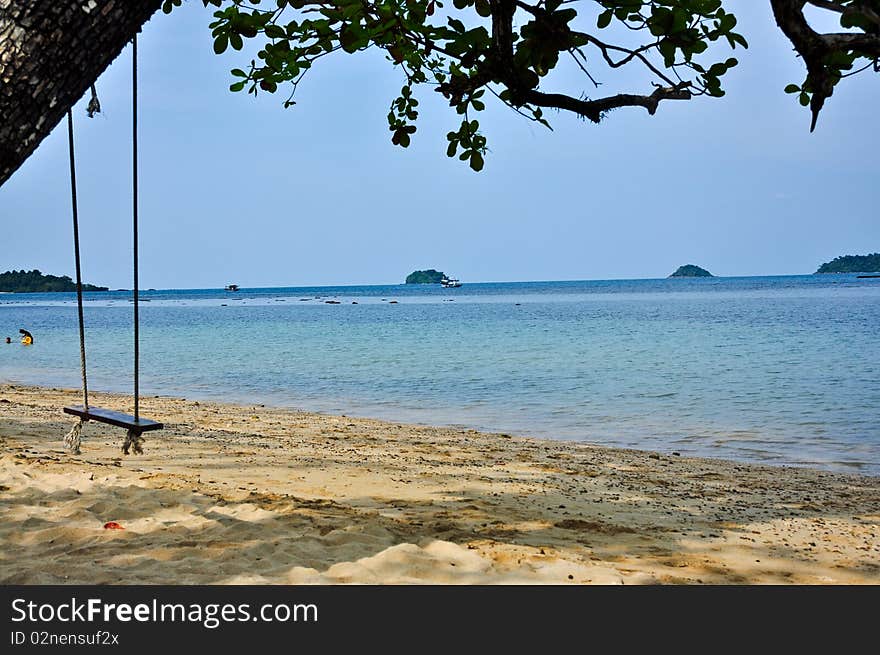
[779, 370]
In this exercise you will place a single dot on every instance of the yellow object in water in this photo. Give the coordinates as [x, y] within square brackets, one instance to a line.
[27, 340]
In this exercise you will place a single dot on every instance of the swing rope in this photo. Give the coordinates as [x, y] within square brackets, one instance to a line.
[73, 439]
[133, 438]
[134, 213]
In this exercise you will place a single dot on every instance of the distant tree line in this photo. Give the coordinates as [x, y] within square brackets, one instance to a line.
[691, 270]
[35, 282]
[852, 264]
[429, 276]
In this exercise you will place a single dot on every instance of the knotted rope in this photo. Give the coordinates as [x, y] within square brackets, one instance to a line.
[94, 104]
[133, 439]
[73, 439]
[134, 224]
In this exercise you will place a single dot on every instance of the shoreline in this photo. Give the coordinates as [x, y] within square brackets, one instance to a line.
[271, 402]
[249, 494]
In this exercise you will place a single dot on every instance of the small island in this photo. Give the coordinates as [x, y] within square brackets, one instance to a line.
[35, 282]
[689, 270]
[429, 276]
[852, 264]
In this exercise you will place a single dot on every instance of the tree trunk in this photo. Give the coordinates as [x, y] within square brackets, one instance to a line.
[51, 51]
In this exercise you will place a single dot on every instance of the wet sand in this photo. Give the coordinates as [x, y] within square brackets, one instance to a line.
[229, 494]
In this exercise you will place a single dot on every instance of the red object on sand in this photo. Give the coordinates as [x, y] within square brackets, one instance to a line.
[113, 525]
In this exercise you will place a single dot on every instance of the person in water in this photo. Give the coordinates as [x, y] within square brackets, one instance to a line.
[8, 340]
[26, 338]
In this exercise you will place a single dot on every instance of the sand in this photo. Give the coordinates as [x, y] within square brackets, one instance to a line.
[253, 495]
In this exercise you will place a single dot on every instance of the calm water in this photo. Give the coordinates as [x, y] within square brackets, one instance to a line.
[780, 370]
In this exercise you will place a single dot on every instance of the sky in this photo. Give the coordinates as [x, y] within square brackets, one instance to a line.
[237, 190]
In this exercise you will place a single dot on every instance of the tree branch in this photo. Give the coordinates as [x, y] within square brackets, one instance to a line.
[855, 8]
[502, 68]
[51, 52]
[868, 44]
[815, 48]
[594, 109]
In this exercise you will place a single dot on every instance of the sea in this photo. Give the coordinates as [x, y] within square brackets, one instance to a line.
[775, 370]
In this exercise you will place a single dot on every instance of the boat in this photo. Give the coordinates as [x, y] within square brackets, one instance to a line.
[450, 283]
[231, 287]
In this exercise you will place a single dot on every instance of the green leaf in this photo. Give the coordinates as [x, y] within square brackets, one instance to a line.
[604, 19]
[792, 88]
[476, 161]
[238, 86]
[457, 25]
[667, 49]
[220, 44]
[275, 32]
[348, 40]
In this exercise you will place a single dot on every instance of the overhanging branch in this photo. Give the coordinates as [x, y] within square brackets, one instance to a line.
[51, 51]
[594, 109]
[815, 48]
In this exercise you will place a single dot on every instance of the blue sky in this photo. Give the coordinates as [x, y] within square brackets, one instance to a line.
[238, 190]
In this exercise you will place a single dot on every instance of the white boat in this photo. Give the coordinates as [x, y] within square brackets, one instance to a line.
[450, 283]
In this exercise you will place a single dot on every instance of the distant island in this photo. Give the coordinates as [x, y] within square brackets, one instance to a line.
[689, 270]
[429, 276]
[35, 282]
[852, 264]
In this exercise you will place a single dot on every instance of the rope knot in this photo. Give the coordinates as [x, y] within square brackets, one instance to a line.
[94, 104]
[73, 439]
[133, 439]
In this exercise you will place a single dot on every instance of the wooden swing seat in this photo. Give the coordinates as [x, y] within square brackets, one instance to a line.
[113, 418]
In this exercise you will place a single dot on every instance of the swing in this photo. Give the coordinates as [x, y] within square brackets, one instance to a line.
[133, 423]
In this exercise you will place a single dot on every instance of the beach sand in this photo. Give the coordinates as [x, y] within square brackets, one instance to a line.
[229, 494]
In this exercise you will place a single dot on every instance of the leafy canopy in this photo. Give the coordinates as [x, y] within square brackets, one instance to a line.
[510, 48]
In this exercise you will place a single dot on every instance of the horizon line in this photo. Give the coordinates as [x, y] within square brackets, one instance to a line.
[404, 284]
